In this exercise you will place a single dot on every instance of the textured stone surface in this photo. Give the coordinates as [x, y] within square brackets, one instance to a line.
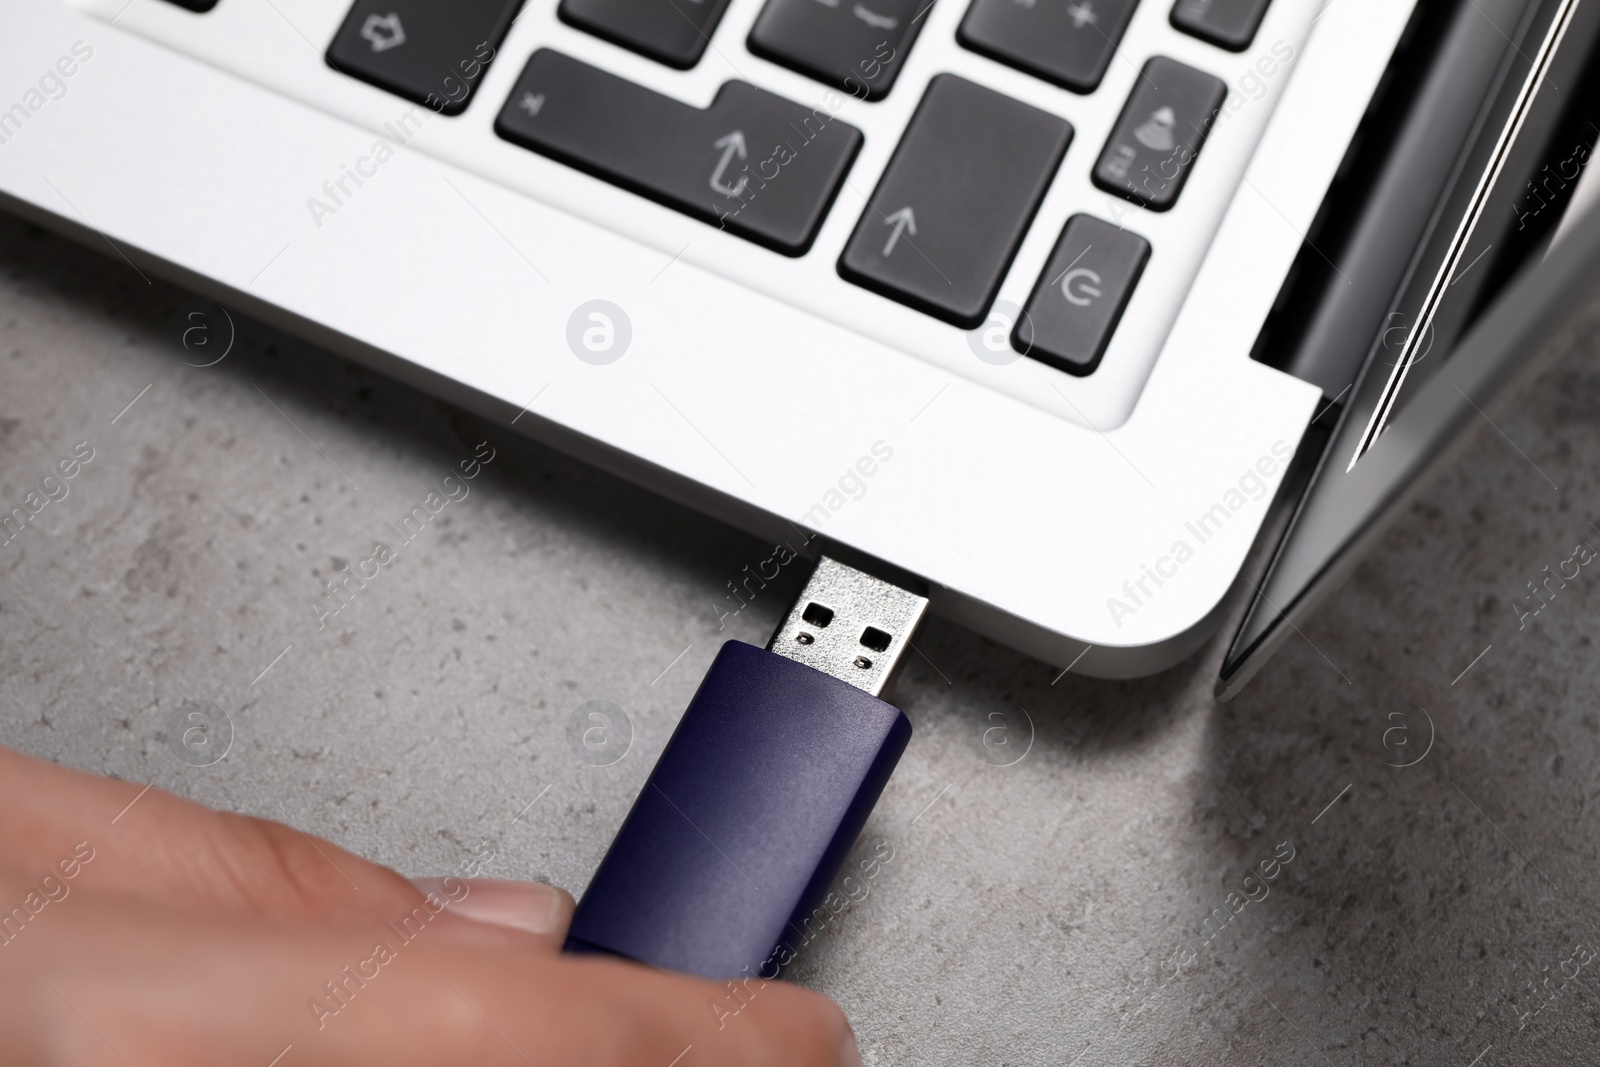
[1047, 912]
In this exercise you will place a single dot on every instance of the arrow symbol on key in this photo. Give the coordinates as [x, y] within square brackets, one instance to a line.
[732, 144]
[903, 221]
[383, 32]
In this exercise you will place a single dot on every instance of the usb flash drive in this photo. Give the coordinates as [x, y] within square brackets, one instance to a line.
[762, 789]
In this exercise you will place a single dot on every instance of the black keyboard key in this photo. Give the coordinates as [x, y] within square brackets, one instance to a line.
[1080, 297]
[1229, 24]
[857, 45]
[424, 50]
[753, 163]
[957, 197]
[1159, 133]
[674, 32]
[1068, 42]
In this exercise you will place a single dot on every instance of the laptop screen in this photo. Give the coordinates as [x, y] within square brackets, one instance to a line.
[1513, 185]
[1485, 287]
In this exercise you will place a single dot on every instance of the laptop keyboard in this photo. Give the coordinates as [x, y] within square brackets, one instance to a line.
[961, 189]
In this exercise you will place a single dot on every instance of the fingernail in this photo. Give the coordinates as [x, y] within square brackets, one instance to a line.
[531, 907]
[849, 1054]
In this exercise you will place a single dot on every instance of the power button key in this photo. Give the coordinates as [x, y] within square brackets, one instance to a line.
[1080, 297]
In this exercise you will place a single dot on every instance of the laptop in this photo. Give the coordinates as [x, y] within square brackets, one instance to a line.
[1052, 309]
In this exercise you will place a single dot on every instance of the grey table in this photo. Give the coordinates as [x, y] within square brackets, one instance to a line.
[1048, 896]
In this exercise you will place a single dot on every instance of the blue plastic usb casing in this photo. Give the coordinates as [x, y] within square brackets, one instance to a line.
[745, 820]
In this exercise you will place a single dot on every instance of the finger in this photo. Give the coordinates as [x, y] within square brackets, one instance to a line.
[531, 907]
[117, 980]
[509, 1009]
[157, 846]
[621, 1013]
[149, 843]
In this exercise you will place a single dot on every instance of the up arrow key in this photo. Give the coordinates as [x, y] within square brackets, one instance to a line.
[902, 221]
[976, 163]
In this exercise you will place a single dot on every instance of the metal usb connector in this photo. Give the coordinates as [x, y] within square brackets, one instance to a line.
[850, 625]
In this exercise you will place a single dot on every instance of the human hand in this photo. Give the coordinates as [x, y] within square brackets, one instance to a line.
[137, 928]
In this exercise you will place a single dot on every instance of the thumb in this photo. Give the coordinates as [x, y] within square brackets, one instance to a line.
[531, 907]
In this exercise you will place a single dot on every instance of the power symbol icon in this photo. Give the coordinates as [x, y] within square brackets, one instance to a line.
[1081, 286]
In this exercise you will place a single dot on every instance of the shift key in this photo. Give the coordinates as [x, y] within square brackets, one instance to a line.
[945, 221]
[752, 163]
